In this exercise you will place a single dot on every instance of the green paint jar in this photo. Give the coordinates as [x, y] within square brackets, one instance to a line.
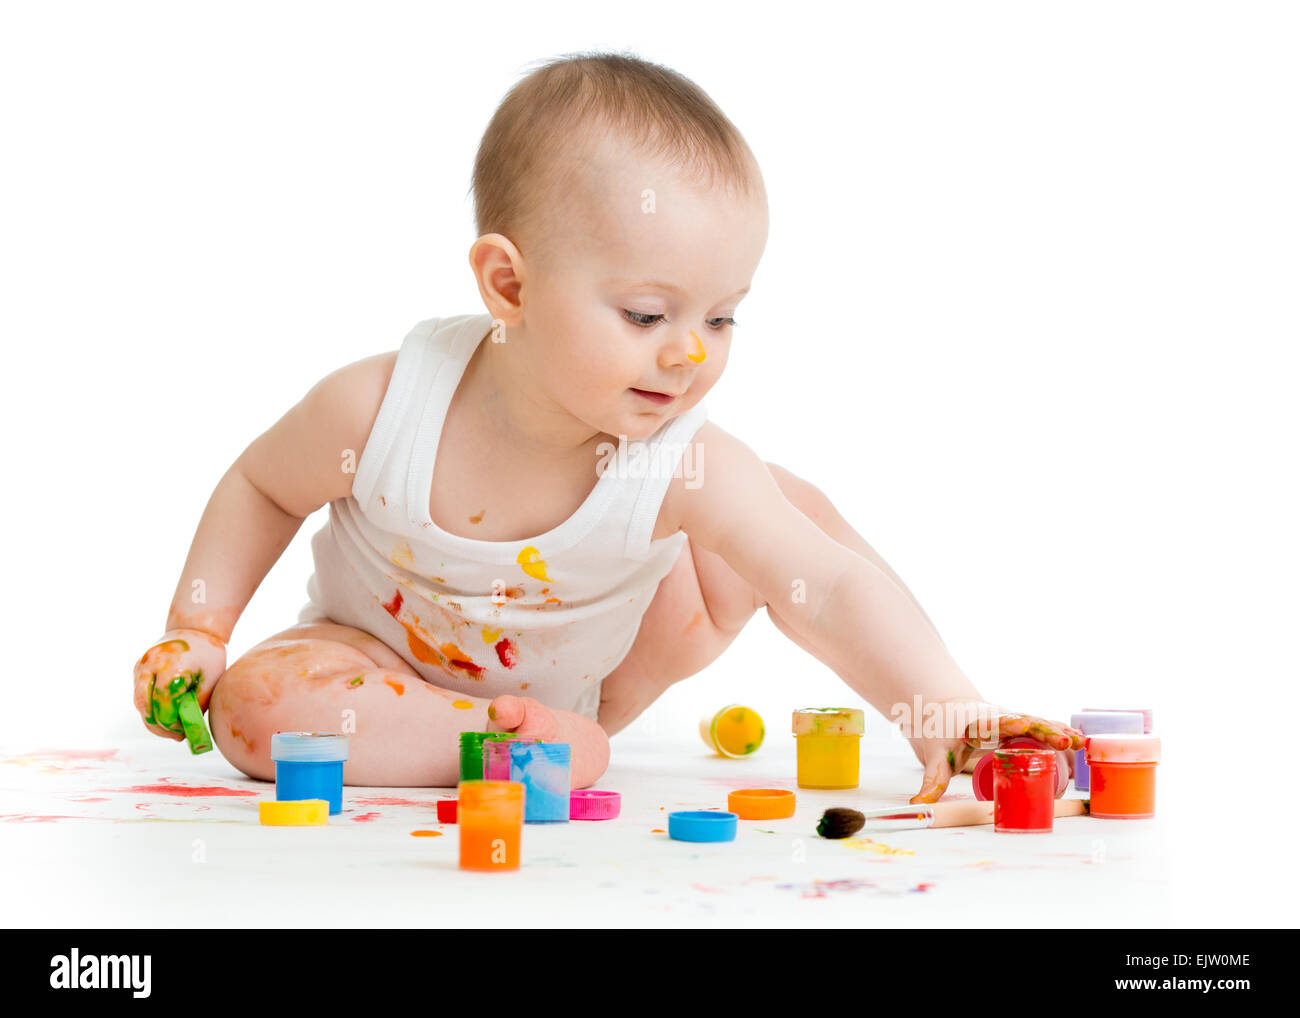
[471, 752]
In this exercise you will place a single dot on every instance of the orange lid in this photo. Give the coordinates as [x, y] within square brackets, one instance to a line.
[761, 803]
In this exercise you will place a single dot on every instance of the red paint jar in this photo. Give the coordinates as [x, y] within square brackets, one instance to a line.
[981, 780]
[1024, 790]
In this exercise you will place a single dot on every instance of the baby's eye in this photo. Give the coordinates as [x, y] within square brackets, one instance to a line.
[718, 323]
[637, 318]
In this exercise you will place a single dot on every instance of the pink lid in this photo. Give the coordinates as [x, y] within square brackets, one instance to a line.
[593, 804]
[1148, 715]
[1123, 749]
[982, 779]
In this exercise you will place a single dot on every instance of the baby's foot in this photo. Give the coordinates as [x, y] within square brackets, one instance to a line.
[525, 717]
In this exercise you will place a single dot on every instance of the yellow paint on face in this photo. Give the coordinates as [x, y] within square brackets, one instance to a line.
[491, 635]
[697, 355]
[462, 705]
[531, 561]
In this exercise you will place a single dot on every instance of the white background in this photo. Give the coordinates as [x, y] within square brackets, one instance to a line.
[1028, 314]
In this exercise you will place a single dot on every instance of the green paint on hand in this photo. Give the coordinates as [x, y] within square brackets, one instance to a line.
[952, 761]
[356, 682]
[176, 708]
[191, 716]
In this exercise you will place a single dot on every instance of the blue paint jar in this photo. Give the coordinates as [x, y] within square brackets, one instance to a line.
[309, 765]
[543, 769]
[1101, 722]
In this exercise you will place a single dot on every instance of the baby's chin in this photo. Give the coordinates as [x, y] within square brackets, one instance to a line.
[634, 424]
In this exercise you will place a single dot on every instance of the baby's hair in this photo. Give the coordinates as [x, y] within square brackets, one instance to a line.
[550, 111]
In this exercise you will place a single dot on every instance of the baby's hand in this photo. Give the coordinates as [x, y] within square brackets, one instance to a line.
[181, 652]
[945, 757]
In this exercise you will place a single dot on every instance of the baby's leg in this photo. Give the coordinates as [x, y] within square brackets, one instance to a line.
[322, 676]
[701, 606]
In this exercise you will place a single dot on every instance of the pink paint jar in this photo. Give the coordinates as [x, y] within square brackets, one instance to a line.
[1024, 790]
[982, 777]
[1123, 775]
[496, 758]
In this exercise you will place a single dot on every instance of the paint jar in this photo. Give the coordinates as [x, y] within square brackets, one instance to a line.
[471, 752]
[735, 731]
[490, 819]
[1123, 775]
[541, 767]
[309, 765]
[827, 740]
[496, 758]
[981, 778]
[1024, 790]
[1101, 722]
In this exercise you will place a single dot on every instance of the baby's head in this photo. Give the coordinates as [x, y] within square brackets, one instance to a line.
[621, 218]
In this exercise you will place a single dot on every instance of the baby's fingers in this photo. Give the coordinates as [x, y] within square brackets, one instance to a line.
[938, 772]
[1050, 733]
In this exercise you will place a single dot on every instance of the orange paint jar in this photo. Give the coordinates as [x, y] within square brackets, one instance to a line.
[1122, 772]
[490, 816]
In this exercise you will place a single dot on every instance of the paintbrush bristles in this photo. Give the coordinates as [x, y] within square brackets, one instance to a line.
[838, 822]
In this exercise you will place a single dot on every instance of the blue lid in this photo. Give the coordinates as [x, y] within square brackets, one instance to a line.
[309, 747]
[702, 825]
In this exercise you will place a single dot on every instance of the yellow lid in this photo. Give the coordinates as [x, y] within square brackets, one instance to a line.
[294, 812]
[829, 721]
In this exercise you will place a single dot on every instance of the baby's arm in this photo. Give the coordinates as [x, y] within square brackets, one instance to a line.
[287, 473]
[835, 603]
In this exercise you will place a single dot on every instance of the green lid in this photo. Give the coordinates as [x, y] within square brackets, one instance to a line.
[471, 752]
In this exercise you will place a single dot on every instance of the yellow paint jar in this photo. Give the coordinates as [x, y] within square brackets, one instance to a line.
[827, 740]
[735, 731]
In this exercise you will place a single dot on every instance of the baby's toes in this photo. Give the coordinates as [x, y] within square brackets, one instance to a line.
[539, 722]
[507, 711]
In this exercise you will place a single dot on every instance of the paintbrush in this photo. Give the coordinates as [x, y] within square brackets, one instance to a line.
[938, 814]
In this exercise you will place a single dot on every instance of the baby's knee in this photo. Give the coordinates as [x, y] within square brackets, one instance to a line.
[288, 687]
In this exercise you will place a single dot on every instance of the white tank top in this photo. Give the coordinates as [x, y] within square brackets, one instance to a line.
[548, 616]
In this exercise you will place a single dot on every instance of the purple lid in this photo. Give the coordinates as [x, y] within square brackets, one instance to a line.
[1148, 715]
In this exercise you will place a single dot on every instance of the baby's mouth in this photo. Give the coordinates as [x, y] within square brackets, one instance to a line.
[657, 398]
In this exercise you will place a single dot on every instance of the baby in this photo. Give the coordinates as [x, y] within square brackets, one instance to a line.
[533, 527]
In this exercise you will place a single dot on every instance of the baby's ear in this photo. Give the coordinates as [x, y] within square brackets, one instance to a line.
[498, 269]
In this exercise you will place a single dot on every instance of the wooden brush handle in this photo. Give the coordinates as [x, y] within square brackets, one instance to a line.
[972, 814]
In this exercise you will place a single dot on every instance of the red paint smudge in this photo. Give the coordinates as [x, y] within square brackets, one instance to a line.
[365, 818]
[393, 801]
[92, 799]
[393, 606]
[74, 754]
[457, 658]
[507, 652]
[27, 818]
[187, 791]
